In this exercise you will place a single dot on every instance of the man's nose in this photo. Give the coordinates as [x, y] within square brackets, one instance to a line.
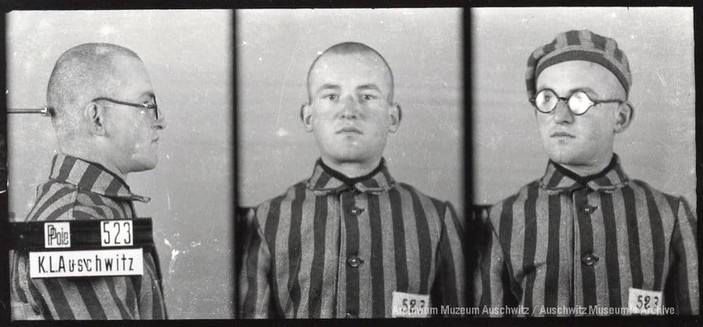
[159, 123]
[562, 113]
[350, 107]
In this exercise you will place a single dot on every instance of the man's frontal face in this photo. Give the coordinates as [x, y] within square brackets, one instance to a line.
[350, 103]
[134, 132]
[585, 140]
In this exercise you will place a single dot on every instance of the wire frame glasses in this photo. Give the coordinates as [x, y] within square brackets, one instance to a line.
[148, 106]
[578, 102]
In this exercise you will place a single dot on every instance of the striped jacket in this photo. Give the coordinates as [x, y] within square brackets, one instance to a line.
[333, 247]
[80, 190]
[579, 244]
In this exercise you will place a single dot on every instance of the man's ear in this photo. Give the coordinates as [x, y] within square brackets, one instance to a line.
[306, 117]
[94, 115]
[624, 115]
[395, 114]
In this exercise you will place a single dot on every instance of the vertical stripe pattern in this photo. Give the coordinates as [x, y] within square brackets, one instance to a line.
[564, 245]
[79, 190]
[351, 243]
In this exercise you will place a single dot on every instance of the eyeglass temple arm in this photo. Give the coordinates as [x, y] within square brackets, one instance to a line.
[46, 111]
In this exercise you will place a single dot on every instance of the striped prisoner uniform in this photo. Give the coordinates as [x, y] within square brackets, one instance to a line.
[565, 241]
[80, 190]
[334, 247]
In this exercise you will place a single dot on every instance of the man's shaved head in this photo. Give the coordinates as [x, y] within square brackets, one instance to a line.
[352, 48]
[81, 74]
[351, 109]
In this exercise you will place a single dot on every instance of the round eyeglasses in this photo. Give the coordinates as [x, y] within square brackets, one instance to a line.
[578, 102]
[151, 106]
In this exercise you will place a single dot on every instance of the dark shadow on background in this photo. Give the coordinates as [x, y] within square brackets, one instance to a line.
[4, 219]
[471, 211]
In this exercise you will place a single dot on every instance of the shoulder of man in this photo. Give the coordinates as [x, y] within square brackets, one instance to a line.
[493, 211]
[440, 206]
[64, 201]
[435, 211]
[659, 198]
[261, 211]
[55, 201]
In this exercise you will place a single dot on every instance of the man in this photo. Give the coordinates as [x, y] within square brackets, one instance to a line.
[107, 123]
[585, 239]
[350, 241]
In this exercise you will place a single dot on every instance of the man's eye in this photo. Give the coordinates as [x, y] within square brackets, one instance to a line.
[330, 97]
[368, 97]
[580, 96]
[149, 103]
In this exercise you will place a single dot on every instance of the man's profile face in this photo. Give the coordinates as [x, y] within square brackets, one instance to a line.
[350, 111]
[133, 131]
[584, 140]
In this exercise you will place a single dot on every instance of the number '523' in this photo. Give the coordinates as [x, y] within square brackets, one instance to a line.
[647, 302]
[116, 233]
[412, 304]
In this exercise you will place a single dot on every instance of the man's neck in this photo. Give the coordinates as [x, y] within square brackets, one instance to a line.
[589, 170]
[83, 153]
[352, 169]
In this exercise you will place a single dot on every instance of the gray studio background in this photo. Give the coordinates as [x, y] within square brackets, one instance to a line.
[275, 49]
[659, 145]
[188, 55]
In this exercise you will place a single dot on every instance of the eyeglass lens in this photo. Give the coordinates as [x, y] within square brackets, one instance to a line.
[578, 102]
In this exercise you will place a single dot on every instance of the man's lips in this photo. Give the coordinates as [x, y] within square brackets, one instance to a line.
[561, 134]
[349, 129]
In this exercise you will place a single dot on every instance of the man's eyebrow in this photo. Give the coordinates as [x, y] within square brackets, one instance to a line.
[369, 87]
[571, 91]
[584, 89]
[327, 87]
[148, 94]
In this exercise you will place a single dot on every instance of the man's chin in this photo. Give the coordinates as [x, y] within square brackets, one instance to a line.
[144, 165]
[152, 164]
[563, 157]
[348, 157]
[351, 154]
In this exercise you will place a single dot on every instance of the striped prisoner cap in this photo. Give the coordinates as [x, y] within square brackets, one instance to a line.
[579, 45]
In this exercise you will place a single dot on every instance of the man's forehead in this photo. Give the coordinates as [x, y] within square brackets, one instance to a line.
[587, 73]
[131, 78]
[128, 66]
[357, 64]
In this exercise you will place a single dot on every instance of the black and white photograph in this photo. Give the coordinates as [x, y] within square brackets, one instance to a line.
[584, 150]
[350, 148]
[108, 170]
[252, 161]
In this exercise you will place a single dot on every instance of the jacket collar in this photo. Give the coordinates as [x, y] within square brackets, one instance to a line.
[326, 180]
[559, 179]
[91, 177]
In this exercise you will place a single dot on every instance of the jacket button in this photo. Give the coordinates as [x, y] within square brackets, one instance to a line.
[354, 261]
[350, 315]
[589, 259]
[357, 211]
[589, 209]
